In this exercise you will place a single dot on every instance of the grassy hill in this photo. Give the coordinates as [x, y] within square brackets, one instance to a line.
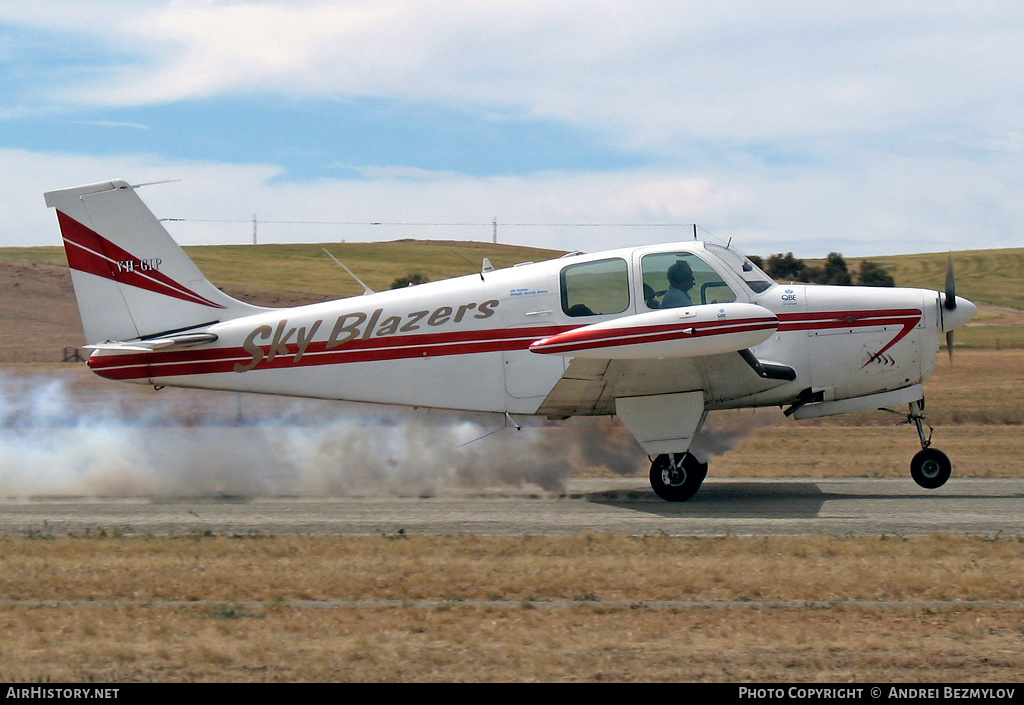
[285, 275]
[306, 267]
[280, 274]
[985, 276]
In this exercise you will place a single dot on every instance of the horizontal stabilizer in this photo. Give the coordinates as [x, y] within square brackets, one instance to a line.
[186, 340]
[693, 331]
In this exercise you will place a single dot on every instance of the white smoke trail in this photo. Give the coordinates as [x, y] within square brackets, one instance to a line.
[60, 439]
[128, 441]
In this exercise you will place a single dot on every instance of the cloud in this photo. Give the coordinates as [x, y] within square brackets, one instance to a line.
[395, 172]
[865, 207]
[114, 124]
[650, 74]
[864, 128]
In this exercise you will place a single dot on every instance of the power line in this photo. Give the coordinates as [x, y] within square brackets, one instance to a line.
[432, 224]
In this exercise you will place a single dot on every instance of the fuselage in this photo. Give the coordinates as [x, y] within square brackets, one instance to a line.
[464, 343]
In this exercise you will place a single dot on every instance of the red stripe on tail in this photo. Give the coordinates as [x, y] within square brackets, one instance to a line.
[90, 252]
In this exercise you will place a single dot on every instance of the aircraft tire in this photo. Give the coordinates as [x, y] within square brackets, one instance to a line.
[930, 468]
[679, 482]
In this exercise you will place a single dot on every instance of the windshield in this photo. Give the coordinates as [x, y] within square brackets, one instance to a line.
[751, 275]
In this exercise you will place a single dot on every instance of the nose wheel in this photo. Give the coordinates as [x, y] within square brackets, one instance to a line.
[677, 476]
[930, 468]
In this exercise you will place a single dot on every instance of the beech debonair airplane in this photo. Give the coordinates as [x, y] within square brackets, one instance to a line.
[657, 335]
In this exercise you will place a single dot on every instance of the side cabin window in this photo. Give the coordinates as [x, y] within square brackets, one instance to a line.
[595, 288]
[673, 279]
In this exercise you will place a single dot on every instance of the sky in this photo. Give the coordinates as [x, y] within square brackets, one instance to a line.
[861, 127]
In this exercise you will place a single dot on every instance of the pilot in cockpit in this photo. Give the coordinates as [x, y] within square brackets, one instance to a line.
[680, 279]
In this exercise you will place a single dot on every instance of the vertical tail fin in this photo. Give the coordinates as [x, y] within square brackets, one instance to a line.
[131, 279]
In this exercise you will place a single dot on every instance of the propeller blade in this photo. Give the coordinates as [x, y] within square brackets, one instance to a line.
[950, 302]
[949, 346]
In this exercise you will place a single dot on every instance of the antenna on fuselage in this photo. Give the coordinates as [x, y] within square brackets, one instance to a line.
[486, 266]
[508, 419]
[366, 289]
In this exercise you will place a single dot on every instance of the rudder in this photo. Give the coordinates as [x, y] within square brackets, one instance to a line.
[131, 278]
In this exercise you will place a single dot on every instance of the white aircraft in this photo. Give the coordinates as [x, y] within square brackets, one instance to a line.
[657, 335]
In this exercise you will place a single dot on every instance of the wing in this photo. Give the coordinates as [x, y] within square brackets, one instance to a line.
[652, 369]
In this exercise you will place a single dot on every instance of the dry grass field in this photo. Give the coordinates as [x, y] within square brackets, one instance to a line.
[512, 644]
[976, 406]
[476, 608]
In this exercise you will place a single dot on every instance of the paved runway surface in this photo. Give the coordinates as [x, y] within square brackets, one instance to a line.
[619, 506]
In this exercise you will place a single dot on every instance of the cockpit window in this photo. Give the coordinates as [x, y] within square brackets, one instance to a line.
[595, 288]
[673, 279]
[750, 273]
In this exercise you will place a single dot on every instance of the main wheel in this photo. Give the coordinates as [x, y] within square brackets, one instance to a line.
[677, 481]
[930, 468]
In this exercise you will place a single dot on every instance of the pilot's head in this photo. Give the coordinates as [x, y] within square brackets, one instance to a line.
[680, 275]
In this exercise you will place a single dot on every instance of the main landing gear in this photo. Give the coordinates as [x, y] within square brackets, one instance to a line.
[677, 476]
[930, 468]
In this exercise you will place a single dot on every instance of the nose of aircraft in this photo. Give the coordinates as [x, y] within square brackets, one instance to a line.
[962, 312]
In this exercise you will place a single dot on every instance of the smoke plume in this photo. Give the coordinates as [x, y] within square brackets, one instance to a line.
[75, 435]
[59, 439]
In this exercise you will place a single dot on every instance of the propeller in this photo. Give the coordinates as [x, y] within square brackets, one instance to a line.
[950, 304]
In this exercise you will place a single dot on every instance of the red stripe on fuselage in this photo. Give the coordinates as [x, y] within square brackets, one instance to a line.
[831, 320]
[215, 360]
[824, 320]
[175, 363]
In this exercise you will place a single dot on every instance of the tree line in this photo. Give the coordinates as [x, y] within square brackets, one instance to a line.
[781, 267]
[786, 267]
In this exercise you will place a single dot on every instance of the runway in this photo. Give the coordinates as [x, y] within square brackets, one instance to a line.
[624, 506]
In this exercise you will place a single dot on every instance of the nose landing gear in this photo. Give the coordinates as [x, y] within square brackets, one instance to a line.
[930, 468]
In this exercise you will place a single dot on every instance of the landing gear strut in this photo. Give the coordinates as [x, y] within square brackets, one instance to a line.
[930, 468]
[677, 476]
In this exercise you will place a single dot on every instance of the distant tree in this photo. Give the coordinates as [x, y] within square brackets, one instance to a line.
[409, 280]
[757, 261]
[813, 275]
[872, 274]
[835, 271]
[785, 267]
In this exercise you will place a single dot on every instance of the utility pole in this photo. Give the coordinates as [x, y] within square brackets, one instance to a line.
[495, 232]
[254, 228]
